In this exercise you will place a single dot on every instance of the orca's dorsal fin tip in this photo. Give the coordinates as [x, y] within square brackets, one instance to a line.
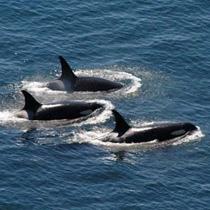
[23, 92]
[121, 125]
[31, 103]
[60, 57]
[67, 72]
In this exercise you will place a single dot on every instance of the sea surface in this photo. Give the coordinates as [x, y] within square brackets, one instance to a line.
[159, 50]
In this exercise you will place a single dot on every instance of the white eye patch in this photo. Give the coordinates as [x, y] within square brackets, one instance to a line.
[178, 132]
[86, 112]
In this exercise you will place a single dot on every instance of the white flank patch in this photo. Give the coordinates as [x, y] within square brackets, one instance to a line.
[51, 105]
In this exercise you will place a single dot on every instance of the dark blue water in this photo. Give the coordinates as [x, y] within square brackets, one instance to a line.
[164, 43]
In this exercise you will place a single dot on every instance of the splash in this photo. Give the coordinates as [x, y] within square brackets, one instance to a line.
[9, 118]
[99, 118]
[100, 136]
[193, 136]
[131, 85]
[34, 86]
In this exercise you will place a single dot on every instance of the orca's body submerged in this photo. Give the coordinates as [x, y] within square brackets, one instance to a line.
[33, 110]
[161, 133]
[70, 82]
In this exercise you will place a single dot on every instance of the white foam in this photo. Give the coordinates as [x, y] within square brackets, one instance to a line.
[131, 86]
[99, 118]
[34, 86]
[191, 137]
[8, 117]
[100, 137]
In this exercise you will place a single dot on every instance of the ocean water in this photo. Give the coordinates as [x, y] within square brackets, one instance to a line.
[159, 50]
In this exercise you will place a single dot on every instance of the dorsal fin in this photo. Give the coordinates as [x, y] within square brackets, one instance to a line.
[121, 125]
[67, 72]
[30, 102]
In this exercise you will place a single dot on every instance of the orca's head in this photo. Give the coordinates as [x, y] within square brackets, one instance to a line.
[189, 127]
[96, 106]
[183, 129]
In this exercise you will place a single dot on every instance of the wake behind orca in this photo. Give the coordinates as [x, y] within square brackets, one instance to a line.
[70, 82]
[161, 133]
[33, 110]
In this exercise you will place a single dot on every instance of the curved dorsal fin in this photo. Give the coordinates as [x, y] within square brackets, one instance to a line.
[121, 125]
[67, 72]
[30, 102]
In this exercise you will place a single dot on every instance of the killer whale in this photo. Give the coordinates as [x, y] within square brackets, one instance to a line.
[69, 82]
[33, 110]
[161, 133]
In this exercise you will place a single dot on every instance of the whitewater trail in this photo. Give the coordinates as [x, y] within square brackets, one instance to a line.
[131, 85]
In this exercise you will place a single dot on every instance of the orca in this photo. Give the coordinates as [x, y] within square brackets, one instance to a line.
[69, 82]
[160, 133]
[33, 110]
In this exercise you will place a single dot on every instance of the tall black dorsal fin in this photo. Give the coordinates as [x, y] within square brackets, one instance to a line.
[67, 72]
[31, 103]
[121, 125]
